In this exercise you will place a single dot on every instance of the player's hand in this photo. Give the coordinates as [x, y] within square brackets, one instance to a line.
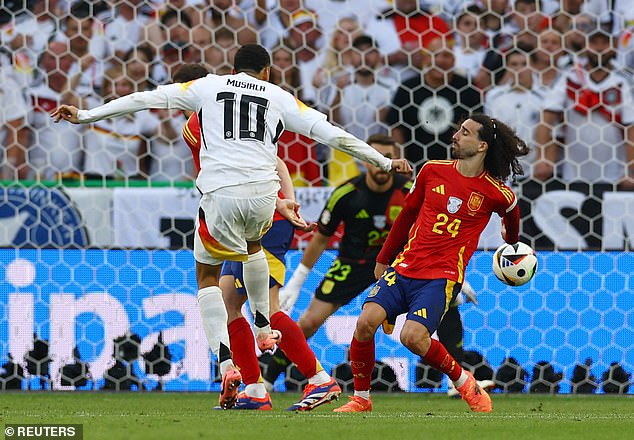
[289, 209]
[379, 270]
[288, 297]
[469, 293]
[401, 166]
[66, 112]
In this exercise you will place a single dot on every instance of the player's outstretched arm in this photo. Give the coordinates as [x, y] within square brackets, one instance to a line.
[168, 96]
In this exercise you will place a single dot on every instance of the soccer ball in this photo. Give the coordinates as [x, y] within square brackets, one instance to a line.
[514, 264]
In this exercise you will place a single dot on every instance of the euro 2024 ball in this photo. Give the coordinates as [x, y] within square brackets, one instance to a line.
[514, 264]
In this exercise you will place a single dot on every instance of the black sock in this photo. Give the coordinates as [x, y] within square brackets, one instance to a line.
[276, 366]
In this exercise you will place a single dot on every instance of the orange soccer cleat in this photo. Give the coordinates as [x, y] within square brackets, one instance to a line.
[231, 381]
[477, 399]
[356, 404]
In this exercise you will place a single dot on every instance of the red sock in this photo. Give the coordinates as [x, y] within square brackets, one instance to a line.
[437, 357]
[294, 345]
[362, 360]
[243, 350]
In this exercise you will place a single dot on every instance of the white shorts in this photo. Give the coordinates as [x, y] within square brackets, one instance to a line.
[231, 216]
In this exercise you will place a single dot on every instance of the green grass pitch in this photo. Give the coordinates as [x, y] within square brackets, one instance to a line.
[155, 416]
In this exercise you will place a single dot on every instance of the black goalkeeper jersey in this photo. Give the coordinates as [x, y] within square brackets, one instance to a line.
[367, 216]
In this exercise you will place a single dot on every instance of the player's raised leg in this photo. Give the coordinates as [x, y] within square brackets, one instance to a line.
[429, 299]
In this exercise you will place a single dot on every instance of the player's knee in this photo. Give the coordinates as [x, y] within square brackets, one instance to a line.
[416, 341]
[365, 329]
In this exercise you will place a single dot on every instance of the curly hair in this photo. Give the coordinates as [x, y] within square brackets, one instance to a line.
[505, 147]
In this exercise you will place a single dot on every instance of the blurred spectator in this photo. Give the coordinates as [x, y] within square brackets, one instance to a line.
[273, 18]
[597, 107]
[297, 151]
[331, 12]
[563, 19]
[549, 58]
[471, 42]
[575, 36]
[426, 110]
[359, 107]
[56, 148]
[547, 63]
[220, 55]
[138, 65]
[156, 30]
[28, 33]
[402, 31]
[115, 148]
[175, 48]
[527, 22]
[612, 15]
[521, 30]
[126, 30]
[14, 134]
[495, 12]
[86, 73]
[284, 72]
[303, 39]
[517, 102]
[229, 14]
[336, 69]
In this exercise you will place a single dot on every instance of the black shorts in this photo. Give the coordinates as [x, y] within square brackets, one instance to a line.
[345, 281]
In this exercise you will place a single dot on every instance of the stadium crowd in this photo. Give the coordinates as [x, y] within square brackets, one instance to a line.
[558, 71]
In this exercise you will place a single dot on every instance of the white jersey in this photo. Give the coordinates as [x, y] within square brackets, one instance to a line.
[595, 114]
[55, 147]
[518, 109]
[241, 119]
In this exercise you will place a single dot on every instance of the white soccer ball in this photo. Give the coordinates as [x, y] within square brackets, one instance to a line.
[514, 264]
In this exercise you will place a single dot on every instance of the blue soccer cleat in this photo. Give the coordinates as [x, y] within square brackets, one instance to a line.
[253, 403]
[315, 395]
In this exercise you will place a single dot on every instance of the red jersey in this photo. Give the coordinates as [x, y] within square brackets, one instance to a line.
[445, 213]
[191, 134]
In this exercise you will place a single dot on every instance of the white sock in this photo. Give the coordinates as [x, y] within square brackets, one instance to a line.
[461, 380]
[256, 280]
[363, 394]
[319, 378]
[214, 316]
[255, 390]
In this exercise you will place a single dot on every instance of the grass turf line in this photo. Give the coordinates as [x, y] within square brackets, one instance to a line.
[399, 416]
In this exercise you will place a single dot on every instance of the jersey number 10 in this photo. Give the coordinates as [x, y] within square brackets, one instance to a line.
[245, 113]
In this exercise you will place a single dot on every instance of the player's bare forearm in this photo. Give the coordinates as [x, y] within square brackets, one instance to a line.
[286, 182]
[315, 248]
